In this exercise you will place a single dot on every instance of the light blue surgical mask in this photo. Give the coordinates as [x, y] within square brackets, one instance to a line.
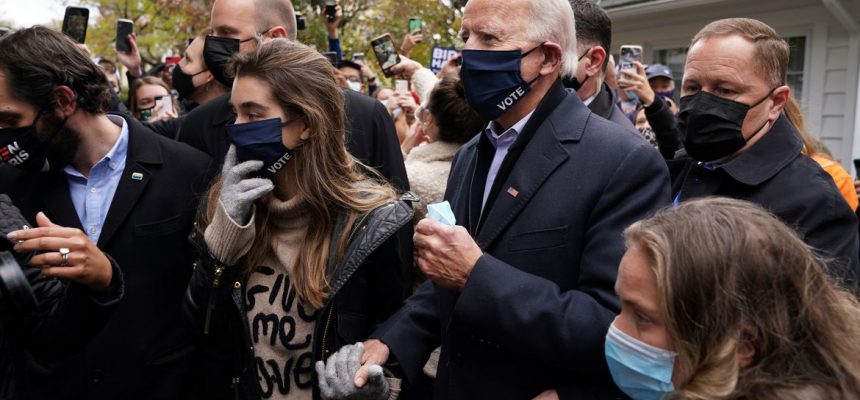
[641, 371]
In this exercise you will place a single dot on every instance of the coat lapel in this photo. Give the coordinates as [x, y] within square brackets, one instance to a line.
[543, 154]
[143, 149]
[472, 193]
[58, 201]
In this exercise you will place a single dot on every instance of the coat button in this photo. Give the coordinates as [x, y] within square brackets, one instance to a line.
[237, 285]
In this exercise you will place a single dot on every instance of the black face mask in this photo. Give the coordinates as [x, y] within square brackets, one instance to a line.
[216, 54]
[712, 125]
[22, 148]
[573, 82]
[183, 83]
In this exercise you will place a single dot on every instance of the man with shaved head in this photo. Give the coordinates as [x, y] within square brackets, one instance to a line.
[237, 27]
[520, 293]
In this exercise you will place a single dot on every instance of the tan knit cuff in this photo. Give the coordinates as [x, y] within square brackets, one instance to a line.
[227, 240]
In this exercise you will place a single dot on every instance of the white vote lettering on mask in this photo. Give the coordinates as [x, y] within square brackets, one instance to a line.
[280, 163]
[511, 99]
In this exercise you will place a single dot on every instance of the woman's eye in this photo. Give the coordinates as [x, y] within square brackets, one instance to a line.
[641, 319]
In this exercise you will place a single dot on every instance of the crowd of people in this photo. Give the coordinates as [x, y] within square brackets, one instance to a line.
[262, 220]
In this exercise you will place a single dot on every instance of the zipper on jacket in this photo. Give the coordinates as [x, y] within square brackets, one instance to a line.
[325, 333]
[213, 298]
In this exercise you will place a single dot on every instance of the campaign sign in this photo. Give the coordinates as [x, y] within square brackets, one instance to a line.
[439, 56]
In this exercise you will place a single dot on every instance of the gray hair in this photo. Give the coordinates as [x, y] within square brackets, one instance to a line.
[552, 20]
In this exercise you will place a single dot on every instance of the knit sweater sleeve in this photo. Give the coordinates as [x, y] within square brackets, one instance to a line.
[227, 240]
[423, 82]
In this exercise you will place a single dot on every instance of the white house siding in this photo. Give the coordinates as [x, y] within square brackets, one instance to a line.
[832, 54]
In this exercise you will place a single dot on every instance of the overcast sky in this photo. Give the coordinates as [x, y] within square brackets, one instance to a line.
[31, 12]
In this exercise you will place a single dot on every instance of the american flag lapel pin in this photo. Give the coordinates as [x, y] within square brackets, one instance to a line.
[513, 192]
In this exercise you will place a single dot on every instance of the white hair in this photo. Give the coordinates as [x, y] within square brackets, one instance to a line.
[552, 20]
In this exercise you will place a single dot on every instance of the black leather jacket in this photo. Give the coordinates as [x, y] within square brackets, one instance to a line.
[369, 285]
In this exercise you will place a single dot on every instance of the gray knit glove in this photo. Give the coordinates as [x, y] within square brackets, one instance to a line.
[10, 216]
[337, 376]
[238, 192]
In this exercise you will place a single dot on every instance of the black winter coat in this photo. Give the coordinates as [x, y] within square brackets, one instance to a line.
[66, 316]
[368, 286]
[775, 175]
[145, 351]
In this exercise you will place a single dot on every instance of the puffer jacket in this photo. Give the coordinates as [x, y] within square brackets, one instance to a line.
[367, 286]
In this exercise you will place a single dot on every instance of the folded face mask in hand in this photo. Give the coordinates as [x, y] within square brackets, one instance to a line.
[442, 213]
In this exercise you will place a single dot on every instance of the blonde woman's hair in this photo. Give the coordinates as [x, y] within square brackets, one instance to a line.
[328, 178]
[732, 277]
[794, 115]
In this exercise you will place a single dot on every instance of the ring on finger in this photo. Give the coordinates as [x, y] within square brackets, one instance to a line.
[64, 252]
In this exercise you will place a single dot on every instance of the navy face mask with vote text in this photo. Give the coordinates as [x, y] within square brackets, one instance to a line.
[262, 141]
[492, 80]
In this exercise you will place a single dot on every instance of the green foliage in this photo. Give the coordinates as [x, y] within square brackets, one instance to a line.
[364, 20]
[162, 26]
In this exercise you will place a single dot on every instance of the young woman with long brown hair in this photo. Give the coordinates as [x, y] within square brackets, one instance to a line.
[721, 300]
[301, 255]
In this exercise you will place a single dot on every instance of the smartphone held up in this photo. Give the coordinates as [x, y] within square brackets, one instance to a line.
[386, 53]
[629, 55]
[124, 27]
[75, 23]
[330, 10]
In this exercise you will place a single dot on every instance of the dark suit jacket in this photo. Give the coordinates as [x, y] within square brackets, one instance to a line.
[370, 137]
[536, 308]
[144, 350]
[605, 105]
[775, 175]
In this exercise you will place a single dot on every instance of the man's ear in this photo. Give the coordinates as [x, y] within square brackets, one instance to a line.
[780, 98]
[596, 58]
[278, 32]
[65, 100]
[553, 55]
